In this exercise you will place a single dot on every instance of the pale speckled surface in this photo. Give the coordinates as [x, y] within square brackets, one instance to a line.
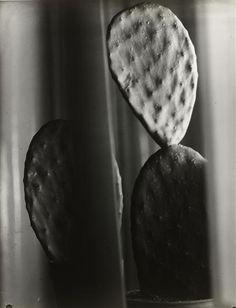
[153, 61]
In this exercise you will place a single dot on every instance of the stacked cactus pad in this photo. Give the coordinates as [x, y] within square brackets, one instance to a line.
[153, 61]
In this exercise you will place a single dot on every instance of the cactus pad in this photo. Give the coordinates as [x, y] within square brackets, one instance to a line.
[169, 225]
[153, 60]
[50, 178]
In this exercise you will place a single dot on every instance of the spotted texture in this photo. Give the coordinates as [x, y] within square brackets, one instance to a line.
[169, 225]
[50, 179]
[153, 60]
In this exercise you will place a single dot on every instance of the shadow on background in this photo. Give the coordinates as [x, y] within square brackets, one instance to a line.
[53, 68]
[74, 70]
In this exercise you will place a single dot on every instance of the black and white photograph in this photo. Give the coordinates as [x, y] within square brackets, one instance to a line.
[117, 154]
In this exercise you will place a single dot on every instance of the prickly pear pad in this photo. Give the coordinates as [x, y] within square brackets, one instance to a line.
[169, 225]
[153, 60]
[50, 178]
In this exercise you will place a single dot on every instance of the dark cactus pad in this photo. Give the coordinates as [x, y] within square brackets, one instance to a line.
[169, 225]
[50, 182]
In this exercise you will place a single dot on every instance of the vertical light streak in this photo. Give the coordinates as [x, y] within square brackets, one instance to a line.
[217, 38]
[107, 77]
[4, 197]
[21, 283]
[110, 128]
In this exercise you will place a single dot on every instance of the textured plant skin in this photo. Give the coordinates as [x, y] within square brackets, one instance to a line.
[169, 225]
[55, 192]
[153, 61]
[51, 177]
